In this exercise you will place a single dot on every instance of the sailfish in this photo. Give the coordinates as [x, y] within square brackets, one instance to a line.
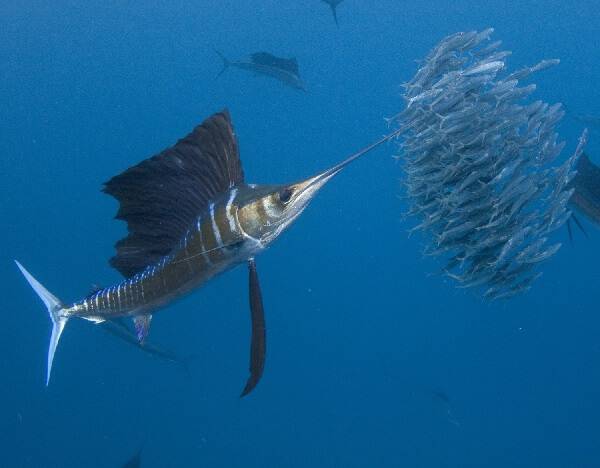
[190, 216]
[586, 193]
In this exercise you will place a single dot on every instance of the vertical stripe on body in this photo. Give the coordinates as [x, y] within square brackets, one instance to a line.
[228, 212]
[215, 228]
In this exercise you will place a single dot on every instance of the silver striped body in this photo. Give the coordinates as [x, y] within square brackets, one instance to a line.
[215, 243]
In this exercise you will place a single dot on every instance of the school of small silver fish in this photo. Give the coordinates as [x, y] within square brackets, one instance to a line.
[480, 165]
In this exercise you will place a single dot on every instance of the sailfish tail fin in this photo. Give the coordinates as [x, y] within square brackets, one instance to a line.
[55, 310]
[226, 63]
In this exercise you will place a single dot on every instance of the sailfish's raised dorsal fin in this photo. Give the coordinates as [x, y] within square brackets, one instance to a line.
[162, 196]
[258, 342]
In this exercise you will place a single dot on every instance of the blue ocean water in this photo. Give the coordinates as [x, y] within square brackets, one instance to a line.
[365, 342]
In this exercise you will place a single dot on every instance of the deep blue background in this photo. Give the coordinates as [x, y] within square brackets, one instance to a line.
[360, 332]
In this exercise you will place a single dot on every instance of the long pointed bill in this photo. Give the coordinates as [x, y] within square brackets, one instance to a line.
[276, 210]
[309, 187]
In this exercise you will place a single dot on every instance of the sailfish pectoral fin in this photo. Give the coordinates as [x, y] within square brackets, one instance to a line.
[258, 343]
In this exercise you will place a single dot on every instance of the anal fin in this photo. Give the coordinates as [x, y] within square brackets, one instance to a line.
[142, 326]
[258, 343]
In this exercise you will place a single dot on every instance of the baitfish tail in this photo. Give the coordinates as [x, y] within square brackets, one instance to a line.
[226, 63]
[55, 310]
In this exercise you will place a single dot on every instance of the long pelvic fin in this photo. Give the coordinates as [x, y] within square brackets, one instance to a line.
[55, 307]
[258, 344]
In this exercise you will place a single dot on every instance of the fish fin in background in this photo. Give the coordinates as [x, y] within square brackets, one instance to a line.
[579, 225]
[142, 326]
[161, 197]
[258, 344]
[334, 11]
[265, 58]
[226, 64]
[135, 461]
[333, 4]
[569, 230]
[55, 308]
[586, 197]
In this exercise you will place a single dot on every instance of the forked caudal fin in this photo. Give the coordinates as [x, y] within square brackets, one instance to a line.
[55, 308]
[226, 63]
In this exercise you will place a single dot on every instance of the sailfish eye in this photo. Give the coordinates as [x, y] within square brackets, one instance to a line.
[285, 195]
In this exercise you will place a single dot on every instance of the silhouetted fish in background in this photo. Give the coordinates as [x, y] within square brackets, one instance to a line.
[445, 399]
[135, 461]
[284, 70]
[333, 4]
[190, 216]
[586, 196]
[441, 395]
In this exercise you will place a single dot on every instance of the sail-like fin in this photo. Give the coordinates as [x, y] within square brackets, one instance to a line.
[587, 179]
[586, 197]
[55, 309]
[161, 197]
[142, 326]
[258, 344]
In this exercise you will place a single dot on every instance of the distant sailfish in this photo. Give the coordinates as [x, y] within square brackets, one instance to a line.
[190, 216]
[333, 5]
[586, 193]
[284, 70]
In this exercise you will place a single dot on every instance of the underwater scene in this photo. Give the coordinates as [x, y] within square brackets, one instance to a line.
[312, 233]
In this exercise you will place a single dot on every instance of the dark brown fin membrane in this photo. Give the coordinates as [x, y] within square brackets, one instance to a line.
[264, 58]
[586, 198]
[161, 197]
[258, 344]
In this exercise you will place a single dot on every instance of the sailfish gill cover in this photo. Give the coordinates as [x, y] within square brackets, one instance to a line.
[480, 165]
